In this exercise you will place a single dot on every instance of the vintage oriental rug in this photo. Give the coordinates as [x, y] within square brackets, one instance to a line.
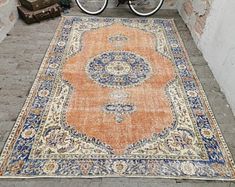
[116, 97]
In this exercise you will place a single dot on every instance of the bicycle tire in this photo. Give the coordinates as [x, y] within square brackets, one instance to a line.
[89, 12]
[147, 14]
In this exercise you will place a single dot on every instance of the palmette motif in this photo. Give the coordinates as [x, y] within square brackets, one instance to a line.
[44, 142]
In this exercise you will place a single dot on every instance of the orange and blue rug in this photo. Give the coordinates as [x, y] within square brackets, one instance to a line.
[116, 98]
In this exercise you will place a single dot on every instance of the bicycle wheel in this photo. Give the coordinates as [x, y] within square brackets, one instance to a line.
[145, 7]
[92, 7]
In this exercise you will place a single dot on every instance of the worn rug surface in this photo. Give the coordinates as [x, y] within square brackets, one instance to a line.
[116, 97]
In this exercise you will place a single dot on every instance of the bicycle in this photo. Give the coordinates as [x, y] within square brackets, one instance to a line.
[139, 7]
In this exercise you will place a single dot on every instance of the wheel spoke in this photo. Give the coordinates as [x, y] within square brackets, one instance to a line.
[91, 6]
[145, 7]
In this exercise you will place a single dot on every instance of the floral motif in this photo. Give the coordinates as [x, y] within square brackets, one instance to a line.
[60, 141]
[50, 167]
[43, 93]
[207, 133]
[61, 44]
[28, 133]
[192, 93]
[188, 168]
[16, 167]
[182, 66]
[119, 166]
[179, 141]
[53, 66]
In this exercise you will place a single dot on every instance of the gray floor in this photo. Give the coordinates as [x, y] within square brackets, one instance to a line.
[20, 56]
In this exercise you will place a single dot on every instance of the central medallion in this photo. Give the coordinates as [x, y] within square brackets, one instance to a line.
[118, 69]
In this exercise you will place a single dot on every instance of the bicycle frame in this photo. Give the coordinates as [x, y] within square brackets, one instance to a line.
[121, 2]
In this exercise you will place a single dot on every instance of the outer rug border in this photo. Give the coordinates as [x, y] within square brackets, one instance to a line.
[15, 128]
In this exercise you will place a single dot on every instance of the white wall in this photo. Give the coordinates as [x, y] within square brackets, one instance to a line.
[8, 16]
[218, 46]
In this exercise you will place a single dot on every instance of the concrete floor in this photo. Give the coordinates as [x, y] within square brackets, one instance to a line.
[20, 56]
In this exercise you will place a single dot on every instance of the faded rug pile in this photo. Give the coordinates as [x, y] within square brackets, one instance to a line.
[116, 97]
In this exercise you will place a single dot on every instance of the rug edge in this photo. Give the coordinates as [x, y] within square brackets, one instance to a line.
[206, 102]
[14, 130]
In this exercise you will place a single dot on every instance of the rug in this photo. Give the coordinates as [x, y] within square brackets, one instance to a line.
[116, 98]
